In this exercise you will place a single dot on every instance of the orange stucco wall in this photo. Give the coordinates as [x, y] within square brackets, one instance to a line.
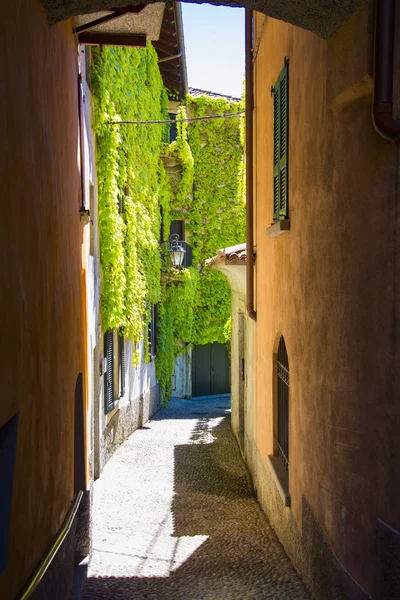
[41, 302]
[329, 286]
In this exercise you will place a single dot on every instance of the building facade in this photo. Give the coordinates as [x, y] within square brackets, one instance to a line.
[43, 300]
[56, 432]
[323, 446]
[326, 290]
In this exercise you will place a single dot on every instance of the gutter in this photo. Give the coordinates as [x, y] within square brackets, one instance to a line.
[249, 164]
[382, 110]
[181, 42]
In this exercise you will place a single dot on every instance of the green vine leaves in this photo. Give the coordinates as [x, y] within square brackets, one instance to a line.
[126, 84]
[138, 196]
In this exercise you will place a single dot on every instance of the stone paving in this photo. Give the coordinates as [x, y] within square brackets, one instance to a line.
[175, 516]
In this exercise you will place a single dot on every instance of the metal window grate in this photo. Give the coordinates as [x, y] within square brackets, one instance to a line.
[283, 403]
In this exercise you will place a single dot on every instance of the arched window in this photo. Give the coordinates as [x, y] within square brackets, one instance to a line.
[283, 403]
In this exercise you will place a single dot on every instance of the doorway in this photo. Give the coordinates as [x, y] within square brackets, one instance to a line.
[210, 370]
[241, 370]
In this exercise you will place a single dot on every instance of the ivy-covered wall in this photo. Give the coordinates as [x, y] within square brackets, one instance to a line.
[206, 191]
[127, 85]
[214, 213]
[218, 214]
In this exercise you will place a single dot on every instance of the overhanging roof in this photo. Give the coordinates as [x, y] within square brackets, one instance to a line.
[133, 25]
[196, 93]
[231, 262]
[170, 48]
[323, 17]
[128, 26]
[231, 256]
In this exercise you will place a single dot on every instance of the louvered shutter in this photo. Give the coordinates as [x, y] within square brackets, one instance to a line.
[122, 362]
[281, 144]
[109, 374]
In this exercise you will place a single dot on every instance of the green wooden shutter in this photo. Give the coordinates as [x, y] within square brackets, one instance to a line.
[109, 374]
[122, 362]
[281, 144]
[152, 337]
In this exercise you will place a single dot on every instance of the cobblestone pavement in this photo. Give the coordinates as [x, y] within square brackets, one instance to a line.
[175, 516]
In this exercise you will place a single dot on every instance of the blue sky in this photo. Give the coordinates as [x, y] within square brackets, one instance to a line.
[214, 42]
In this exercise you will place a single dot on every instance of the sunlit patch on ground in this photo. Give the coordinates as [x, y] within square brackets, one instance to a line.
[175, 516]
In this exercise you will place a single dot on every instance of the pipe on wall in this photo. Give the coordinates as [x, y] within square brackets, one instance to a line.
[382, 109]
[81, 138]
[249, 164]
[181, 41]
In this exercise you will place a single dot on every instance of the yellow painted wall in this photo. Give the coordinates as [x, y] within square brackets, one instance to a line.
[40, 275]
[329, 286]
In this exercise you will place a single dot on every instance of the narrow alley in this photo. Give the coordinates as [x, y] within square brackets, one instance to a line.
[175, 516]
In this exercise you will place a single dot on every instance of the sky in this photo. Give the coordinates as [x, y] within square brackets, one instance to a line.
[214, 43]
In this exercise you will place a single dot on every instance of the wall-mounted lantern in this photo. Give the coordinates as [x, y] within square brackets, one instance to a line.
[176, 251]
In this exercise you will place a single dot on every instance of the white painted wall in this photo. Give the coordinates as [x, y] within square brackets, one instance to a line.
[182, 376]
[91, 256]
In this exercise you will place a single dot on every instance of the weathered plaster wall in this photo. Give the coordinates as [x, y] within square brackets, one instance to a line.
[236, 276]
[330, 287]
[182, 376]
[40, 275]
[238, 303]
[250, 383]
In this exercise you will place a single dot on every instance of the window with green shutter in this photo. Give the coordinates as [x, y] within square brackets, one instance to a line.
[109, 372]
[152, 337]
[281, 144]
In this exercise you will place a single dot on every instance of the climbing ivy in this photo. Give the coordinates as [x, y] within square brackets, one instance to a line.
[218, 216]
[208, 193]
[205, 188]
[214, 213]
[182, 180]
[127, 85]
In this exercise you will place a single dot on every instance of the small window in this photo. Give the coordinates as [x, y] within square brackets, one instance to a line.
[121, 370]
[172, 128]
[281, 145]
[114, 376]
[161, 225]
[153, 331]
[178, 227]
[283, 403]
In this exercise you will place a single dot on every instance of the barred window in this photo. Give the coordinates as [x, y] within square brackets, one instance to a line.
[283, 403]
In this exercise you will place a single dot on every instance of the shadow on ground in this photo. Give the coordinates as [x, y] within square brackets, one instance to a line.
[239, 556]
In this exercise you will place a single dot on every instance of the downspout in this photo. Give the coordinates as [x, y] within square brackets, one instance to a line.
[249, 164]
[181, 42]
[382, 110]
[81, 140]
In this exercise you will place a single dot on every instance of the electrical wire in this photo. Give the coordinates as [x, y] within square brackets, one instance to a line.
[188, 120]
[259, 37]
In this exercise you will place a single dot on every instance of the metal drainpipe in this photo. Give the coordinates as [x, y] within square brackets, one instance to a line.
[181, 41]
[382, 109]
[249, 164]
[81, 139]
